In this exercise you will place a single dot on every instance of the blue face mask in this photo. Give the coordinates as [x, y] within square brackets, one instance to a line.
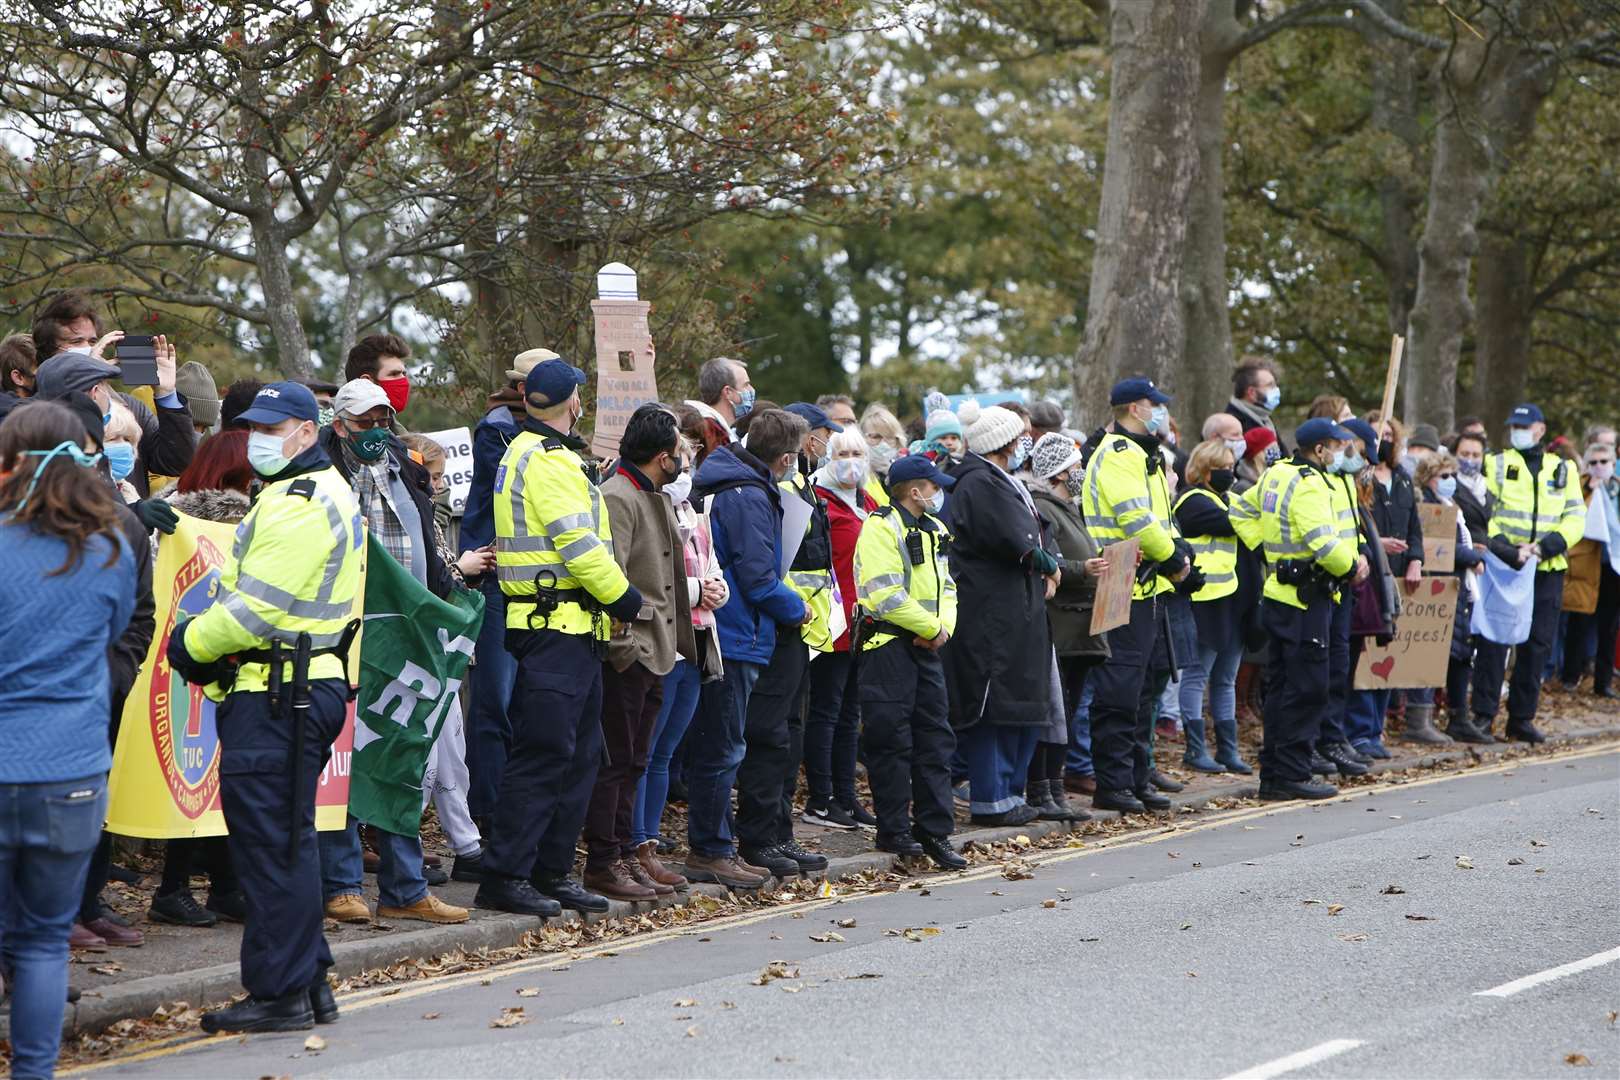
[1016, 461]
[120, 459]
[1159, 418]
[1351, 464]
[1522, 438]
[78, 455]
[937, 502]
[264, 453]
[1446, 487]
[1273, 397]
[745, 403]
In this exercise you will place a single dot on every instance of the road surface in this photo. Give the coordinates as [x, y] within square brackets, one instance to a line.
[1348, 938]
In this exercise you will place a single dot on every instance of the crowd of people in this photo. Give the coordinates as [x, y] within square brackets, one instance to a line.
[746, 593]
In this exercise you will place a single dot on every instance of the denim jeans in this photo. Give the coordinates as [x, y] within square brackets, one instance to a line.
[1079, 760]
[47, 832]
[681, 687]
[489, 729]
[998, 762]
[717, 751]
[399, 869]
[1364, 718]
[1215, 671]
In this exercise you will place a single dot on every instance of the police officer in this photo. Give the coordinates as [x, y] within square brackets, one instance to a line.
[907, 612]
[565, 595]
[1332, 744]
[1537, 513]
[282, 621]
[1126, 496]
[1310, 560]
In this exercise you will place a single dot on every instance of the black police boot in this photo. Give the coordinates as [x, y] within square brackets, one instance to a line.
[181, 909]
[1483, 724]
[1120, 799]
[1022, 814]
[1524, 731]
[939, 849]
[778, 863]
[468, 867]
[903, 846]
[1462, 729]
[1164, 783]
[289, 1012]
[1151, 799]
[231, 906]
[570, 894]
[321, 1001]
[1347, 765]
[809, 861]
[514, 895]
[1355, 755]
[1321, 766]
[1280, 790]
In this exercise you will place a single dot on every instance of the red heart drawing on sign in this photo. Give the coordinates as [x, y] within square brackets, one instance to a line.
[1383, 667]
[1436, 587]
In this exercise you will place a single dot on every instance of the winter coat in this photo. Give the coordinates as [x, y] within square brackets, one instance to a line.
[1476, 512]
[844, 526]
[1069, 610]
[1585, 573]
[168, 442]
[698, 549]
[1395, 513]
[745, 523]
[998, 667]
[490, 438]
[441, 581]
[1224, 619]
[647, 546]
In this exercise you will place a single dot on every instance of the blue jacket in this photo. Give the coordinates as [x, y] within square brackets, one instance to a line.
[490, 437]
[745, 520]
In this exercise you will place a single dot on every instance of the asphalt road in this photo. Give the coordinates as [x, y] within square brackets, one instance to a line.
[1191, 952]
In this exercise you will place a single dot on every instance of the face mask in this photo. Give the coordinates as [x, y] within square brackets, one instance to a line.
[325, 417]
[881, 455]
[1409, 464]
[1522, 438]
[398, 391]
[1352, 464]
[745, 403]
[1239, 448]
[1220, 479]
[1600, 473]
[1272, 398]
[264, 453]
[1446, 487]
[937, 503]
[73, 451]
[1337, 464]
[1468, 466]
[1026, 447]
[1273, 454]
[1157, 419]
[848, 472]
[120, 459]
[369, 445]
[1075, 482]
[1386, 451]
[680, 488]
[1016, 461]
[822, 459]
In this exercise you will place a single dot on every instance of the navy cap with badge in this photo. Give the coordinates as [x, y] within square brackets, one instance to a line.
[813, 415]
[918, 467]
[279, 401]
[1320, 429]
[1525, 415]
[553, 380]
[1128, 390]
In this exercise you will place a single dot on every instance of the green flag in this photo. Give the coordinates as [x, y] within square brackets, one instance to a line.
[413, 653]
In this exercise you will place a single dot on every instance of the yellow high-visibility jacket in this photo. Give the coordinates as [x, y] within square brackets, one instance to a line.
[1122, 499]
[920, 598]
[1300, 521]
[1528, 507]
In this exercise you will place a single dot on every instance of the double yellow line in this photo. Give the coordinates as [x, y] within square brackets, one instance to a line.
[387, 995]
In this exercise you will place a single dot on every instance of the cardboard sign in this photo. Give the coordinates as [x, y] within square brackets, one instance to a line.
[1439, 537]
[1421, 651]
[624, 357]
[458, 464]
[1113, 604]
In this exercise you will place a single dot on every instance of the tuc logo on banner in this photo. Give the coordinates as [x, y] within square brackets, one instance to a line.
[182, 718]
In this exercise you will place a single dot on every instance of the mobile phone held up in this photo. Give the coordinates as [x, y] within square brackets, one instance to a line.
[137, 356]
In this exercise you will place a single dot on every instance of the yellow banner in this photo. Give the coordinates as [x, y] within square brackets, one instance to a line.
[165, 773]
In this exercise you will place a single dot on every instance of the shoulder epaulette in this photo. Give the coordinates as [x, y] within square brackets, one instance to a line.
[1122, 444]
[303, 486]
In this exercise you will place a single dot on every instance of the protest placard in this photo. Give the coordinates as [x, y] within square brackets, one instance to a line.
[1439, 537]
[624, 356]
[458, 464]
[1421, 651]
[1113, 603]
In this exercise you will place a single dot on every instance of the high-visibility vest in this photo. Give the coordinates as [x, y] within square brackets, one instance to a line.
[1299, 521]
[919, 597]
[1527, 508]
[551, 532]
[1215, 556]
[813, 584]
[295, 567]
[1122, 499]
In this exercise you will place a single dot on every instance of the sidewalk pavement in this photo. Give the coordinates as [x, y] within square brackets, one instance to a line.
[199, 966]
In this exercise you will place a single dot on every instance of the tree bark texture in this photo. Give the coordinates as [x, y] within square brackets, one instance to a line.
[1135, 322]
[1393, 79]
[1506, 295]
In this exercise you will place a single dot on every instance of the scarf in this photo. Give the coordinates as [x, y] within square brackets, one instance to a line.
[373, 492]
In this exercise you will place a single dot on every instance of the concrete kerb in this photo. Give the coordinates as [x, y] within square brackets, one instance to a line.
[142, 997]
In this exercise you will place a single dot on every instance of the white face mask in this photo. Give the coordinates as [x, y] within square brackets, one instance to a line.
[848, 473]
[266, 453]
[1239, 448]
[1522, 438]
[937, 503]
[679, 489]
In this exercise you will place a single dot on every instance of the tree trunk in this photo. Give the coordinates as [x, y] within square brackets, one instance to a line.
[1393, 78]
[1202, 383]
[1502, 350]
[1134, 318]
[270, 241]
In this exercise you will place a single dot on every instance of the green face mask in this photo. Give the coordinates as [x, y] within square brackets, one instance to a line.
[370, 445]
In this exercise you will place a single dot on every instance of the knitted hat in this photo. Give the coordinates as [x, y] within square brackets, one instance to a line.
[989, 429]
[202, 394]
[1054, 452]
[1257, 439]
[942, 422]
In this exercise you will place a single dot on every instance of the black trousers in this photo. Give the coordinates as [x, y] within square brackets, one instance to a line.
[1298, 667]
[1341, 672]
[283, 948]
[1603, 622]
[832, 729]
[1123, 697]
[906, 739]
[774, 734]
[1529, 660]
[556, 717]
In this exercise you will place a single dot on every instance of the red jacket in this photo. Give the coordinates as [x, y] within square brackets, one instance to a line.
[845, 528]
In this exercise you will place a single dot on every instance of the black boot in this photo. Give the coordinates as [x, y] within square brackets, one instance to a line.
[1279, 790]
[1039, 795]
[1347, 765]
[939, 849]
[321, 1001]
[1022, 814]
[1524, 731]
[1120, 799]
[516, 896]
[181, 909]
[1152, 799]
[1461, 729]
[780, 865]
[468, 867]
[810, 862]
[569, 893]
[1060, 799]
[903, 846]
[1321, 766]
[1164, 783]
[231, 906]
[289, 1012]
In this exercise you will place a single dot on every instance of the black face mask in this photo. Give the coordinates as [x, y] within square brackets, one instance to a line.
[1220, 479]
[1386, 451]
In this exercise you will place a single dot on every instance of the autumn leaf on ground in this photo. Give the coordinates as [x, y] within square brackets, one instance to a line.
[845, 924]
[1464, 863]
[1577, 1059]
[314, 1044]
[1351, 937]
[1334, 909]
[830, 935]
[917, 933]
[1392, 890]
[529, 991]
[1049, 903]
[776, 969]
[430, 1016]
[1515, 861]
[692, 1032]
[1420, 918]
[510, 1017]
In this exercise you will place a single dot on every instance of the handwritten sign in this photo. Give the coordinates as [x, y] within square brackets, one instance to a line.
[458, 464]
[1439, 537]
[1113, 603]
[1421, 651]
[624, 356]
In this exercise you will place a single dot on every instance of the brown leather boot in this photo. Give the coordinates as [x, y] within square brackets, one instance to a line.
[639, 875]
[615, 883]
[647, 858]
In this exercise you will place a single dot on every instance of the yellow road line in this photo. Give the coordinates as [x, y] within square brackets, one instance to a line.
[387, 995]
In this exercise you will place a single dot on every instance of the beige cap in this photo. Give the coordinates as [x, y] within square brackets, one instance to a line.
[523, 362]
[358, 397]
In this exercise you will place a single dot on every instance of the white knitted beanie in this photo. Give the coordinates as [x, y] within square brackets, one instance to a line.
[990, 429]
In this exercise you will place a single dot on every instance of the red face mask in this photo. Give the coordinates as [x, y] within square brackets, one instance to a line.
[398, 391]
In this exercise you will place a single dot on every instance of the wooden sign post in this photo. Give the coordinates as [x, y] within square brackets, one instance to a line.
[1397, 346]
[624, 356]
[1113, 603]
